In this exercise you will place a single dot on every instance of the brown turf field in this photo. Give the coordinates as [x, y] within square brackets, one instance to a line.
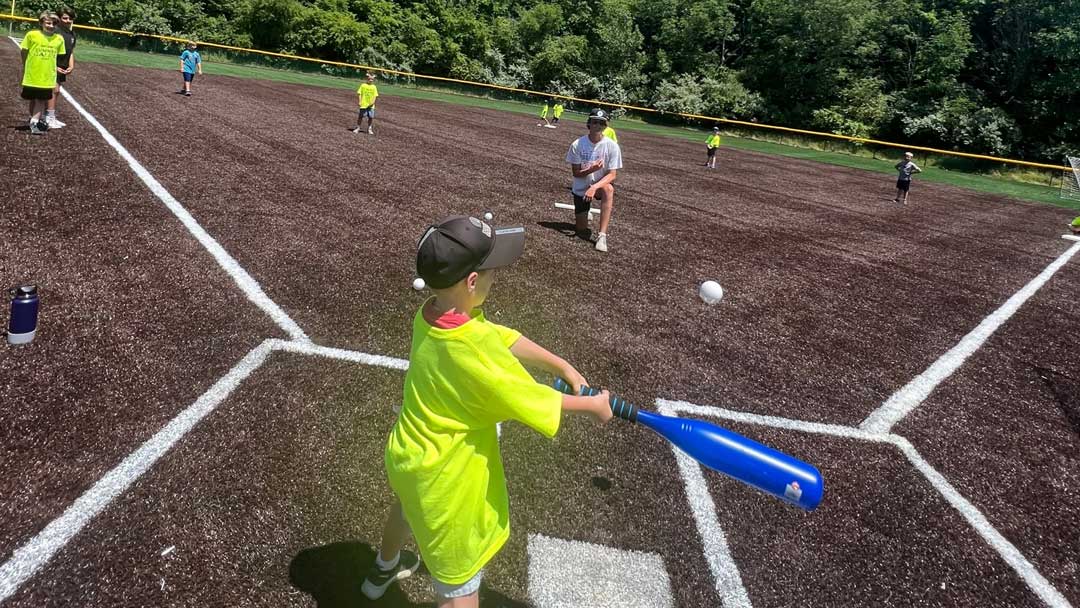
[835, 299]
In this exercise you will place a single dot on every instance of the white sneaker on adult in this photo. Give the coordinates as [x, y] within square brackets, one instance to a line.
[370, 131]
[601, 242]
[54, 123]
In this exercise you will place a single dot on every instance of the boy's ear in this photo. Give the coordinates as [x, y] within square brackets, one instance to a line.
[470, 281]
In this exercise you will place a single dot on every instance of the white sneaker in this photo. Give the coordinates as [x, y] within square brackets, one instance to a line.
[35, 129]
[355, 129]
[54, 123]
[601, 242]
[370, 131]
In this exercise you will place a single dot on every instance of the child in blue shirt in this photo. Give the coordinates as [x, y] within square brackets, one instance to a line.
[190, 64]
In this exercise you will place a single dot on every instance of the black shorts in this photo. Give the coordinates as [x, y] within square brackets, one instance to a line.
[31, 93]
[581, 205]
[712, 152]
[903, 185]
[60, 78]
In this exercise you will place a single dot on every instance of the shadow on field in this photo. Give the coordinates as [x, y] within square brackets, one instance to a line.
[1066, 393]
[332, 575]
[564, 228]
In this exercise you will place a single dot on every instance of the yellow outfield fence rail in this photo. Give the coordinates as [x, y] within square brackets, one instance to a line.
[594, 102]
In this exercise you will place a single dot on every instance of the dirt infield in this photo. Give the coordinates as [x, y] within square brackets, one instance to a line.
[835, 298]
[136, 322]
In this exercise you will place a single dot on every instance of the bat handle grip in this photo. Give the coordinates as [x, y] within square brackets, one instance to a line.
[620, 408]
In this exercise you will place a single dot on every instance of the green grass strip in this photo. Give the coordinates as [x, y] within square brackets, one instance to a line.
[93, 53]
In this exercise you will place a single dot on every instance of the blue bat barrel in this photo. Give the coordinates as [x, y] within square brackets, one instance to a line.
[727, 452]
[750, 462]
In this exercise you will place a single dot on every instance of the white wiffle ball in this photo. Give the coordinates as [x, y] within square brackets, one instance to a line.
[711, 292]
[418, 284]
[488, 216]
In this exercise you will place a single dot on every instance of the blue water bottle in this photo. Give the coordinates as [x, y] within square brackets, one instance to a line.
[24, 313]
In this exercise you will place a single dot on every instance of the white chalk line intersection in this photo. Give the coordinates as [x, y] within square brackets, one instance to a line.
[39, 550]
[975, 518]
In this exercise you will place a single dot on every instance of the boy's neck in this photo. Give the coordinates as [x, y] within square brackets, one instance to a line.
[444, 303]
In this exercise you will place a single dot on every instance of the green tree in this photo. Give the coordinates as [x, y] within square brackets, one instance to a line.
[861, 109]
[681, 94]
[695, 35]
[270, 21]
[964, 123]
[614, 53]
[537, 24]
[558, 60]
[802, 50]
[727, 97]
[719, 94]
[332, 35]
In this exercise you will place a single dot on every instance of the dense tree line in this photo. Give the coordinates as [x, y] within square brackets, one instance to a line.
[992, 76]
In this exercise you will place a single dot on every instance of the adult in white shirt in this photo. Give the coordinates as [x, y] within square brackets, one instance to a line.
[595, 161]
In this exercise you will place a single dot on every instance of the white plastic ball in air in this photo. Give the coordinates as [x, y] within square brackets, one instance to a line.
[711, 292]
[418, 284]
[488, 216]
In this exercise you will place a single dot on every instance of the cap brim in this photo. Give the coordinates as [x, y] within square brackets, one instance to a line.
[509, 243]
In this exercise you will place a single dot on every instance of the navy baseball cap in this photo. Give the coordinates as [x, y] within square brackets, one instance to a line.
[598, 114]
[460, 244]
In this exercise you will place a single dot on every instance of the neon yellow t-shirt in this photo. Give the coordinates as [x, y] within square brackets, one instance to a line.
[713, 141]
[40, 69]
[367, 93]
[442, 456]
[544, 111]
[610, 134]
[1076, 223]
[557, 110]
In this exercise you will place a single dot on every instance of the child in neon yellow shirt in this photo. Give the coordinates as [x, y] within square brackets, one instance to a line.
[610, 134]
[40, 49]
[465, 376]
[366, 95]
[711, 145]
[544, 113]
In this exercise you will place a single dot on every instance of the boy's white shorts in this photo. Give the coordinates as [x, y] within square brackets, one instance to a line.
[469, 587]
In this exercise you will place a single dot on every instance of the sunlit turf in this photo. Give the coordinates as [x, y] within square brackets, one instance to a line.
[89, 52]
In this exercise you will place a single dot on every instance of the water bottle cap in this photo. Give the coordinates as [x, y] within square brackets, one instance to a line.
[24, 292]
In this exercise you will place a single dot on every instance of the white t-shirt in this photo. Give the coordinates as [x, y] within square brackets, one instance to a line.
[583, 152]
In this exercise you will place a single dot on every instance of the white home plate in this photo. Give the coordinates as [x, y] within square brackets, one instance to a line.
[573, 574]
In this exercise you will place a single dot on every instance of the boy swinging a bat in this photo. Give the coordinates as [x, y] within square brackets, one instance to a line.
[466, 374]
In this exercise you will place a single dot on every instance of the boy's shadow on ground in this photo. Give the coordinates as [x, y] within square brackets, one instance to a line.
[566, 229]
[332, 575]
